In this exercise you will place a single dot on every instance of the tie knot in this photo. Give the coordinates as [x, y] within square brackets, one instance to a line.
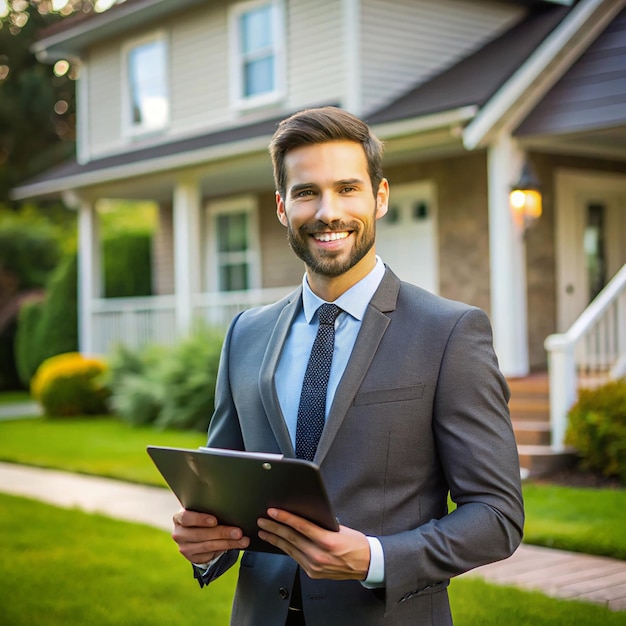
[328, 314]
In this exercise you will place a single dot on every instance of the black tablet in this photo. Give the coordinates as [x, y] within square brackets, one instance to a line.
[239, 487]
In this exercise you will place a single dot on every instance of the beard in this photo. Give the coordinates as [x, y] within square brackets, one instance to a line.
[331, 263]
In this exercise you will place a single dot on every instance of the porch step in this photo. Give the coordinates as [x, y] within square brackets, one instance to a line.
[529, 433]
[530, 415]
[543, 460]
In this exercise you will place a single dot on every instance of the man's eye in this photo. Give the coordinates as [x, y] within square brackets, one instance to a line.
[305, 192]
[348, 189]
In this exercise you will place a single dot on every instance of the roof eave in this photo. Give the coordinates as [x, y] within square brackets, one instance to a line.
[145, 167]
[516, 97]
[70, 42]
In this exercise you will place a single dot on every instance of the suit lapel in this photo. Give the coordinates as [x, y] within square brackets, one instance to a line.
[267, 388]
[375, 323]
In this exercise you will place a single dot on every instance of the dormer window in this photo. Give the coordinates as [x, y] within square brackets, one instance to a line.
[146, 105]
[257, 36]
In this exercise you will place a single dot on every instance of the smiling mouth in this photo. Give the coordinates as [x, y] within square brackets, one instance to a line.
[334, 236]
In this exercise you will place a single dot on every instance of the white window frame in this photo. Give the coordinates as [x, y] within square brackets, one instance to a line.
[240, 204]
[238, 99]
[129, 128]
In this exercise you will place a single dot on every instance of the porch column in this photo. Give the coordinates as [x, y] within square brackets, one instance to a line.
[187, 205]
[89, 273]
[507, 260]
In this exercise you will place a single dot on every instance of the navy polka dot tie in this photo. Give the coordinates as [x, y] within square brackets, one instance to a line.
[312, 409]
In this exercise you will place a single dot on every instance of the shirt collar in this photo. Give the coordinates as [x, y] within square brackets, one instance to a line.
[354, 301]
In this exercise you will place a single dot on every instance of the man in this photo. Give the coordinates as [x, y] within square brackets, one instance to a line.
[416, 408]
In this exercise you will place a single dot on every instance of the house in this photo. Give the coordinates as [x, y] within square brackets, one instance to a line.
[177, 102]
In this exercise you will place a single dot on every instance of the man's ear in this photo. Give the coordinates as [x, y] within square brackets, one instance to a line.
[382, 198]
[280, 209]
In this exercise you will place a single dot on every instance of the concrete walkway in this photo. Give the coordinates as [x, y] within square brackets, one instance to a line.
[553, 572]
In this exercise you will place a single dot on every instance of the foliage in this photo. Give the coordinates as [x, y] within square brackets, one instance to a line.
[54, 329]
[134, 380]
[597, 429]
[124, 251]
[170, 387]
[70, 384]
[37, 118]
[26, 349]
[29, 248]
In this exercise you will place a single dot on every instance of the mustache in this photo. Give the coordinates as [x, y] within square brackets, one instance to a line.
[319, 227]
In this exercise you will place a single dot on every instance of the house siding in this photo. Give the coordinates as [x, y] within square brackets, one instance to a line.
[200, 74]
[104, 100]
[462, 225]
[404, 42]
[315, 53]
[199, 70]
[279, 265]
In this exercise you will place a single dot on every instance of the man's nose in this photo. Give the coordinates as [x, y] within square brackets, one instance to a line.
[328, 209]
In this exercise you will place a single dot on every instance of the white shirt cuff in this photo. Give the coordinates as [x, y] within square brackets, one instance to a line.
[376, 572]
[205, 566]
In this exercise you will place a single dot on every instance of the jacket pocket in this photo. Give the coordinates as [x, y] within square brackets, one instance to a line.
[380, 396]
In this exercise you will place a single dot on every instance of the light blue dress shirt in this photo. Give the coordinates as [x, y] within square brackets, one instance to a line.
[295, 356]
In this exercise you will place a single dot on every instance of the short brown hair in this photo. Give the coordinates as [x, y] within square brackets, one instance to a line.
[322, 125]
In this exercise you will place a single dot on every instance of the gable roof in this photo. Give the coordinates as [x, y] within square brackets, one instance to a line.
[477, 77]
[591, 94]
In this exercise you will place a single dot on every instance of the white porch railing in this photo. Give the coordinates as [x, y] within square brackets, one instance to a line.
[133, 322]
[218, 309]
[137, 322]
[591, 352]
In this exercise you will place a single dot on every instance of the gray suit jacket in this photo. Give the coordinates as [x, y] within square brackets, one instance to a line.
[421, 409]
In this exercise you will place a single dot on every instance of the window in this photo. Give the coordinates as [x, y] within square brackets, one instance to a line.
[146, 88]
[233, 245]
[257, 34]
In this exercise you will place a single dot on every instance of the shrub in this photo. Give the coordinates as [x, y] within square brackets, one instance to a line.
[189, 376]
[123, 251]
[25, 349]
[171, 387]
[70, 384]
[597, 429]
[51, 327]
[133, 378]
[29, 249]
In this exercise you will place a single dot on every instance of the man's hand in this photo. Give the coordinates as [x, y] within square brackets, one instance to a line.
[201, 538]
[321, 553]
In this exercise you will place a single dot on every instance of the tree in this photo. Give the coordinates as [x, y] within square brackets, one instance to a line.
[37, 101]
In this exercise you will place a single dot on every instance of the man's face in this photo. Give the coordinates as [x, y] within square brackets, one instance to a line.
[329, 208]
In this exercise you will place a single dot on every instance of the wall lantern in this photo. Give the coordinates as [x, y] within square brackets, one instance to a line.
[525, 198]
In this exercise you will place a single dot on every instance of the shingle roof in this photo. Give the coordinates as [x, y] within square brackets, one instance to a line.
[477, 77]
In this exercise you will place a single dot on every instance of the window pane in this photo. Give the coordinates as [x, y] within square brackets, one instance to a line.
[259, 76]
[148, 86]
[234, 277]
[232, 229]
[256, 30]
[594, 249]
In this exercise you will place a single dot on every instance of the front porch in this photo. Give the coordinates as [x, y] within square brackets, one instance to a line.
[138, 322]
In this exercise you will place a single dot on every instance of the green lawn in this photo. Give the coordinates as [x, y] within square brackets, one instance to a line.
[11, 397]
[101, 446]
[582, 520]
[67, 568]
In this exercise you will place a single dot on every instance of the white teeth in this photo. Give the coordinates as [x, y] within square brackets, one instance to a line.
[330, 236]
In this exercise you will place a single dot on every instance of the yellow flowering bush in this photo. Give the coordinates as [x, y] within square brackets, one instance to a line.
[71, 384]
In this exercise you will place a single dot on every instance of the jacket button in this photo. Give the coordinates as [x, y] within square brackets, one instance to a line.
[284, 593]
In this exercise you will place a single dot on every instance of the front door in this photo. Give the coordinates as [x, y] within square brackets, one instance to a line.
[406, 238]
[590, 236]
